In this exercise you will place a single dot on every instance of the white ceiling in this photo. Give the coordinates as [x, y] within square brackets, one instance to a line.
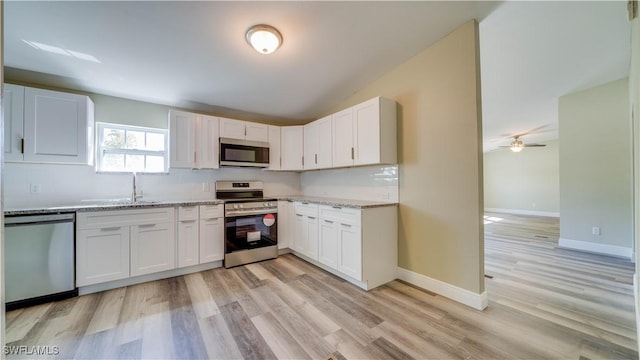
[193, 54]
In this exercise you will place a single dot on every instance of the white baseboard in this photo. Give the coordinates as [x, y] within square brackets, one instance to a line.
[524, 212]
[464, 296]
[612, 250]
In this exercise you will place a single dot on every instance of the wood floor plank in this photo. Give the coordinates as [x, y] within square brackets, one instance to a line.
[110, 304]
[25, 321]
[283, 345]
[384, 349]
[250, 343]
[187, 338]
[201, 299]
[218, 338]
[157, 336]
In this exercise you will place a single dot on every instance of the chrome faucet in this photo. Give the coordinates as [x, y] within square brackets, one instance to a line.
[134, 194]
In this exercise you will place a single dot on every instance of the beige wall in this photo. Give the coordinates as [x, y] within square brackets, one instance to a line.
[596, 166]
[440, 156]
[527, 181]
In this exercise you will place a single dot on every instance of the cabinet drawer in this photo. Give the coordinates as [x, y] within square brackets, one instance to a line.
[211, 211]
[302, 208]
[188, 213]
[101, 219]
[341, 215]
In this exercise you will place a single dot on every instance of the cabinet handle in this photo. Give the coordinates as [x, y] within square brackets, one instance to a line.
[303, 161]
[195, 159]
[311, 217]
[329, 221]
[147, 225]
[22, 146]
[345, 225]
[316, 159]
[352, 156]
[111, 228]
[337, 207]
[299, 215]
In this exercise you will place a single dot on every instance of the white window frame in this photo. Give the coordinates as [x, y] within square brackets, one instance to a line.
[100, 150]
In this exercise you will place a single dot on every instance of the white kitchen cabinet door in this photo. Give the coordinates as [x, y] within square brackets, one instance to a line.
[188, 243]
[350, 250]
[102, 255]
[312, 237]
[13, 111]
[256, 132]
[324, 148]
[310, 146]
[328, 243]
[318, 144]
[291, 150]
[207, 138]
[343, 138]
[234, 129]
[182, 139]
[58, 127]
[300, 235]
[274, 147]
[211, 240]
[286, 224]
[153, 248]
[375, 132]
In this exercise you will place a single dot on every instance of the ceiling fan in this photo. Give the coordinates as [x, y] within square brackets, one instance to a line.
[517, 145]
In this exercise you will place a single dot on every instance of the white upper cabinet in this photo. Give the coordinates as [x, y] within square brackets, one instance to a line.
[375, 132]
[365, 134]
[193, 140]
[13, 108]
[343, 148]
[182, 146]
[243, 130]
[291, 147]
[317, 144]
[207, 138]
[274, 147]
[47, 126]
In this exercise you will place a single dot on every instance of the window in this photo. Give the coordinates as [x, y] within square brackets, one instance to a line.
[131, 148]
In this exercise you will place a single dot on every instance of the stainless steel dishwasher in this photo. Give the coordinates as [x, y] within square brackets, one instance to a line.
[39, 259]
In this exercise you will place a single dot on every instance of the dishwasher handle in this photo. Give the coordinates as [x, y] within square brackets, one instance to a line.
[39, 219]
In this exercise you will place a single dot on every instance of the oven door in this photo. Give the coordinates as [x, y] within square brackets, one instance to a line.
[250, 232]
[235, 152]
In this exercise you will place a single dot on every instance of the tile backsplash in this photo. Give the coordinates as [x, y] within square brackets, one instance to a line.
[27, 185]
[376, 183]
[33, 185]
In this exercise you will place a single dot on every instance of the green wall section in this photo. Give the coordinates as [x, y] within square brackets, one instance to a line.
[596, 165]
[527, 181]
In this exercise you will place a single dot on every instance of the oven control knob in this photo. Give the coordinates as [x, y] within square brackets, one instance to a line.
[267, 204]
[235, 206]
[241, 206]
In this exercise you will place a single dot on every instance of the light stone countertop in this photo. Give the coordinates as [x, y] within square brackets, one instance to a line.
[107, 205]
[144, 204]
[356, 204]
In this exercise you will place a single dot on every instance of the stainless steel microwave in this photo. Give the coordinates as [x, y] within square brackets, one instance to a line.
[234, 152]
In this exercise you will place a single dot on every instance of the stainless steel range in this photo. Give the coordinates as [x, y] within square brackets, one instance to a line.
[251, 222]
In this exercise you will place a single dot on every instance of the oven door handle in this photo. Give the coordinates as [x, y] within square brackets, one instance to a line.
[234, 213]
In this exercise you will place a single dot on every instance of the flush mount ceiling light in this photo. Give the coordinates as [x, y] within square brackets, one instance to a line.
[264, 38]
[517, 145]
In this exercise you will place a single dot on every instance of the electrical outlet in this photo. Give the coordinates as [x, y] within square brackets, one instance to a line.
[206, 187]
[595, 230]
[35, 188]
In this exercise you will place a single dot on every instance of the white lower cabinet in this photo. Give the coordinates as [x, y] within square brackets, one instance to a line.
[306, 229]
[114, 245]
[286, 224]
[211, 239]
[328, 243]
[153, 248]
[102, 254]
[359, 245]
[200, 234]
[349, 242]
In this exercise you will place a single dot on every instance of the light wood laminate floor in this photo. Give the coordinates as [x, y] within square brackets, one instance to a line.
[544, 303]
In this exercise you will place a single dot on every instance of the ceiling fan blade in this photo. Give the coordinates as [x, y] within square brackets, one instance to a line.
[534, 145]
